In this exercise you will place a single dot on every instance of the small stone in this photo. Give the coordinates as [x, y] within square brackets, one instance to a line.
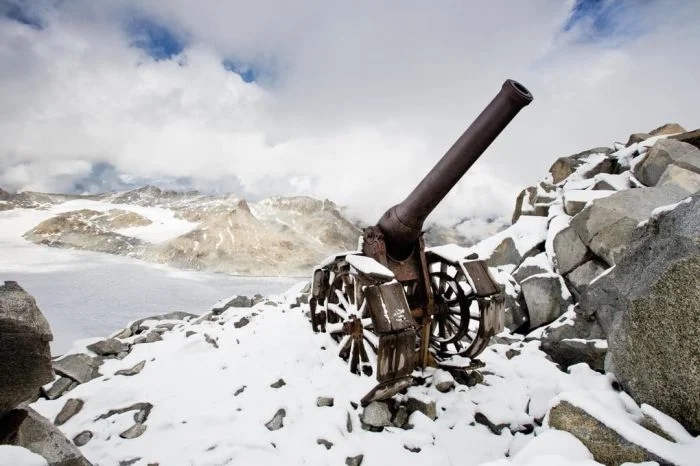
[211, 341]
[70, 409]
[59, 387]
[354, 460]
[325, 443]
[443, 381]
[241, 323]
[276, 422]
[189, 333]
[133, 371]
[401, 417]
[348, 423]
[324, 401]
[239, 391]
[142, 415]
[109, 347]
[79, 367]
[124, 333]
[134, 431]
[424, 406]
[279, 384]
[511, 353]
[82, 438]
[482, 419]
[412, 449]
[376, 414]
[129, 462]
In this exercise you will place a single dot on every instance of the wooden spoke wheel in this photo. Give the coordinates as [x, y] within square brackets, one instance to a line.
[457, 318]
[349, 323]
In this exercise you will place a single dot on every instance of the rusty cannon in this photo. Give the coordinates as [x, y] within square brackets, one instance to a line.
[393, 305]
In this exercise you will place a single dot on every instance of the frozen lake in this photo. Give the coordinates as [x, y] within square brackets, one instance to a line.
[85, 294]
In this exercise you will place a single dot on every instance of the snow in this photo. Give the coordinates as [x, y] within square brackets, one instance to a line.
[11, 455]
[660, 211]
[556, 225]
[526, 233]
[369, 266]
[580, 195]
[618, 182]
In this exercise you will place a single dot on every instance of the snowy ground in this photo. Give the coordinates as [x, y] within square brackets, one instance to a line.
[211, 402]
[86, 294]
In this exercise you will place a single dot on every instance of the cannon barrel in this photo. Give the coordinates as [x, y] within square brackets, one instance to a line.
[402, 224]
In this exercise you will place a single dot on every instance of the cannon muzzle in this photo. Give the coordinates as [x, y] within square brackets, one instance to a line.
[402, 224]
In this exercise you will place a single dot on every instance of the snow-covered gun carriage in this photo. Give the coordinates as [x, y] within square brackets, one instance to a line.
[393, 305]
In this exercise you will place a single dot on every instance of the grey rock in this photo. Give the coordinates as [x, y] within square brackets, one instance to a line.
[25, 356]
[649, 307]
[668, 128]
[483, 420]
[123, 333]
[606, 226]
[504, 253]
[376, 414]
[242, 322]
[70, 409]
[426, 407]
[325, 443]
[354, 460]
[401, 417]
[606, 445]
[143, 409]
[322, 401]
[568, 352]
[682, 177]
[134, 431]
[150, 337]
[239, 390]
[238, 301]
[569, 250]
[636, 138]
[79, 367]
[690, 137]
[662, 154]
[211, 341]
[546, 297]
[443, 381]
[82, 438]
[524, 203]
[277, 421]
[109, 347]
[278, 384]
[529, 268]
[39, 436]
[136, 327]
[133, 370]
[59, 387]
[581, 276]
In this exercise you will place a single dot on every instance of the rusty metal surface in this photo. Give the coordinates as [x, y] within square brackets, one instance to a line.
[402, 224]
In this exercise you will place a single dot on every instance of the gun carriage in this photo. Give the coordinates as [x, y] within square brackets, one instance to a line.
[394, 305]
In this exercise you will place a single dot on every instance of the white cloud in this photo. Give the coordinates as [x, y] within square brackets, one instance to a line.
[356, 102]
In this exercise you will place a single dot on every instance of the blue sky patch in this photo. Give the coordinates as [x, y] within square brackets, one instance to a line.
[248, 73]
[22, 12]
[159, 42]
[616, 20]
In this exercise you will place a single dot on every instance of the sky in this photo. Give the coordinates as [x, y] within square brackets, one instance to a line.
[350, 101]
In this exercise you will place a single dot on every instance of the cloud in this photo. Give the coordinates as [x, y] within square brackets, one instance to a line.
[352, 101]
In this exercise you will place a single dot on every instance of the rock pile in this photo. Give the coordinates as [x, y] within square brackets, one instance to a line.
[602, 265]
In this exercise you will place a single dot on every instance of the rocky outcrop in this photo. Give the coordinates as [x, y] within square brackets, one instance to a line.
[25, 365]
[664, 154]
[649, 308]
[25, 356]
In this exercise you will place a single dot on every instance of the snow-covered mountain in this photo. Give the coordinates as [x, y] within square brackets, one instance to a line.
[274, 237]
[281, 236]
